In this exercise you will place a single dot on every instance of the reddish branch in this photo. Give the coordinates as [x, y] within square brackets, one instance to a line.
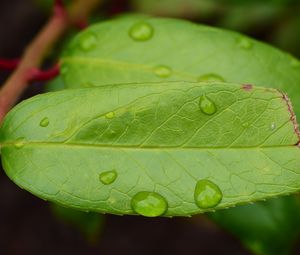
[36, 74]
[9, 64]
[27, 68]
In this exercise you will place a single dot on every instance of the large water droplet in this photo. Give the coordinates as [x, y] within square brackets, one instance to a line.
[141, 31]
[110, 115]
[44, 122]
[207, 106]
[149, 204]
[20, 142]
[108, 177]
[211, 77]
[163, 71]
[245, 43]
[88, 41]
[207, 194]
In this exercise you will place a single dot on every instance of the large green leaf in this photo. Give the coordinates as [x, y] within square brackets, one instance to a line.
[267, 228]
[144, 49]
[190, 147]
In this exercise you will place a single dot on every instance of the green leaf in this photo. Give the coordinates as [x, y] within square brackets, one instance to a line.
[108, 53]
[55, 84]
[172, 152]
[267, 228]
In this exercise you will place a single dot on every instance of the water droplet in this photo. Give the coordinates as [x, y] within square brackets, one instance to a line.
[149, 204]
[273, 126]
[108, 177]
[207, 106]
[163, 71]
[110, 115]
[211, 77]
[20, 143]
[88, 41]
[245, 43]
[44, 122]
[141, 31]
[207, 194]
[245, 124]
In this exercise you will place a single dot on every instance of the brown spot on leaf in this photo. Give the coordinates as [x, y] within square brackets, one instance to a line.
[247, 87]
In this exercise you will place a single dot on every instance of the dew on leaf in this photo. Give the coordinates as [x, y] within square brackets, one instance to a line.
[211, 77]
[163, 71]
[149, 204]
[207, 106]
[141, 31]
[110, 115]
[207, 194]
[20, 143]
[244, 43]
[44, 122]
[108, 177]
[245, 124]
[87, 41]
[273, 126]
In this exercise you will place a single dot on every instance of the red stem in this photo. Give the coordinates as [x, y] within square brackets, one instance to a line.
[36, 74]
[9, 64]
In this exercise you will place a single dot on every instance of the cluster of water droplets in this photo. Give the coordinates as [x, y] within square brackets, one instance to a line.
[151, 204]
[207, 194]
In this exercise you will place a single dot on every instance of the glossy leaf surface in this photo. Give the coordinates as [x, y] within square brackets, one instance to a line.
[108, 53]
[161, 139]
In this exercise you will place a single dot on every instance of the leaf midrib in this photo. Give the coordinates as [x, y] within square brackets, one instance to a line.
[134, 147]
[122, 64]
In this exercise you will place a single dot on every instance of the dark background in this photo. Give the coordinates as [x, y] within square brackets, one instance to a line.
[28, 226]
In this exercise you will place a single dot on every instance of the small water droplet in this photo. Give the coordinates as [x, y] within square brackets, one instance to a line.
[245, 43]
[211, 77]
[110, 115]
[207, 194]
[273, 126]
[20, 143]
[163, 71]
[88, 41]
[108, 177]
[44, 122]
[245, 124]
[207, 106]
[141, 31]
[149, 204]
